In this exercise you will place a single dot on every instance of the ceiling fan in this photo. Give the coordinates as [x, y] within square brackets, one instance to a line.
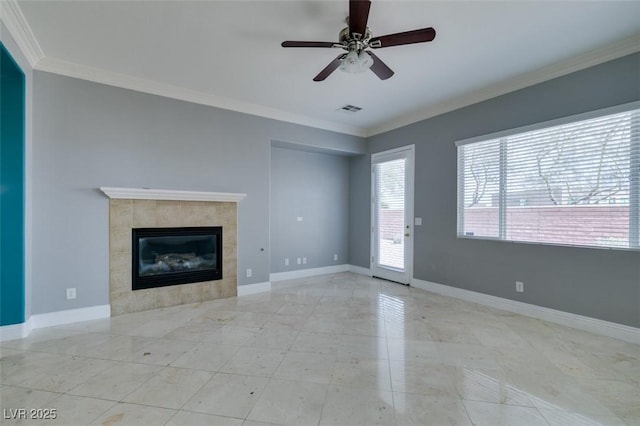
[357, 39]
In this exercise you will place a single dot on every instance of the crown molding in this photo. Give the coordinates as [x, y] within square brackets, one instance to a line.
[16, 23]
[98, 75]
[169, 194]
[594, 57]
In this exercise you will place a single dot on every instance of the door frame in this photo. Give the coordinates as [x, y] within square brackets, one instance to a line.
[407, 152]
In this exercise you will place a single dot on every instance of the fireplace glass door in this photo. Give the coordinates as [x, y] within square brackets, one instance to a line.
[170, 256]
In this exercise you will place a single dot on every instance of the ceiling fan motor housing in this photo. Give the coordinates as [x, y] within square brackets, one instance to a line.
[354, 41]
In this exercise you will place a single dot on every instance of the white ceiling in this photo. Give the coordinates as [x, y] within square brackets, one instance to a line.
[227, 53]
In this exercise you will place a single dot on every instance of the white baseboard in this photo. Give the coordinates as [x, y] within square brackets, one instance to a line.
[303, 273]
[72, 315]
[50, 319]
[15, 331]
[245, 290]
[605, 328]
[360, 270]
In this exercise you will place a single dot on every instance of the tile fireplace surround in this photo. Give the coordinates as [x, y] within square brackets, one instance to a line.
[142, 208]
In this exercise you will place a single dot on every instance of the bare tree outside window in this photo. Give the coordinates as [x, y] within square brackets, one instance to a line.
[576, 183]
[481, 173]
[560, 165]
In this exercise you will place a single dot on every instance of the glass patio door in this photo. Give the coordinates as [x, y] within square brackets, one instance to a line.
[392, 214]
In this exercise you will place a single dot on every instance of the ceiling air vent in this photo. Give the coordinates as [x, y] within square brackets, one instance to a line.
[350, 108]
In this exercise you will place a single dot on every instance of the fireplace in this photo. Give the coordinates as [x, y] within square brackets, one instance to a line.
[140, 208]
[170, 256]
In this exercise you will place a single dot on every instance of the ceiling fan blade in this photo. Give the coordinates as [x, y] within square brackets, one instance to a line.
[358, 16]
[379, 68]
[407, 37]
[307, 44]
[333, 65]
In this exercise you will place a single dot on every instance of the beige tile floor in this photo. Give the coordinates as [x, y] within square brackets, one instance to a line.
[338, 349]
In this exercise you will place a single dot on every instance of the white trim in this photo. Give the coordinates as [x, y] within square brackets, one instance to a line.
[552, 123]
[15, 21]
[17, 24]
[51, 319]
[15, 331]
[311, 272]
[245, 290]
[169, 194]
[605, 328]
[360, 270]
[594, 57]
[111, 78]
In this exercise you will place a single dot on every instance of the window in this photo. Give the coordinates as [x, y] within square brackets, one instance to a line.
[573, 181]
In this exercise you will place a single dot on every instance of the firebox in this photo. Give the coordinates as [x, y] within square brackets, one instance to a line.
[171, 256]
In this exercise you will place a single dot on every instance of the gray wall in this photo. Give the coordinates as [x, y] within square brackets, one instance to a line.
[88, 135]
[23, 63]
[602, 284]
[359, 210]
[315, 187]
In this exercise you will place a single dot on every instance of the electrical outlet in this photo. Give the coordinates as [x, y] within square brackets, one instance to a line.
[299, 218]
[286, 261]
[71, 293]
[249, 273]
[335, 257]
[304, 260]
[519, 286]
[299, 261]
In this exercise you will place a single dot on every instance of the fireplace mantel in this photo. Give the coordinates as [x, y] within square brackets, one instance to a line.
[139, 208]
[169, 194]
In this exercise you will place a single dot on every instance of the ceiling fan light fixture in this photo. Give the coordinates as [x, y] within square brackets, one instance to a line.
[350, 63]
[356, 63]
[365, 60]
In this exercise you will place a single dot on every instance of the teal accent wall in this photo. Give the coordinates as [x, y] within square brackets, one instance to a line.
[12, 190]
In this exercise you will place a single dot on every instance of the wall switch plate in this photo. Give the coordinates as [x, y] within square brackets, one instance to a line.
[418, 221]
[71, 293]
[286, 261]
[249, 273]
[299, 218]
[519, 286]
[304, 260]
[299, 261]
[335, 257]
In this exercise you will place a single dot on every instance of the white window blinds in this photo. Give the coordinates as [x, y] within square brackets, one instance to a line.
[574, 181]
[389, 212]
